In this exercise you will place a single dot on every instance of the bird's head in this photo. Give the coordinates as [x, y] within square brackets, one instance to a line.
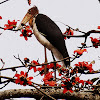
[32, 12]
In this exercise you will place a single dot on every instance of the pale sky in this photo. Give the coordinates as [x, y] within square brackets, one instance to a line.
[82, 14]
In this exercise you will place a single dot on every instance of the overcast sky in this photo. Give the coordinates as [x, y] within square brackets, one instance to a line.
[82, 14]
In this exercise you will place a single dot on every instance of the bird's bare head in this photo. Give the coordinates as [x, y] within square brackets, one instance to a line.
[32, 12]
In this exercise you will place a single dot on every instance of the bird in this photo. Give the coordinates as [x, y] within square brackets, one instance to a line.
[47, 33]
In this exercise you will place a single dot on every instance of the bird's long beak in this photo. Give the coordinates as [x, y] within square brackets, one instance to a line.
[26, 18]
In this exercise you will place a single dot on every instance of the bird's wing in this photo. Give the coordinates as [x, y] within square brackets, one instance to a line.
[52, 33]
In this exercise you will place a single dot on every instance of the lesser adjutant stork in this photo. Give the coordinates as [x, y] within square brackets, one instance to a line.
[47, 33]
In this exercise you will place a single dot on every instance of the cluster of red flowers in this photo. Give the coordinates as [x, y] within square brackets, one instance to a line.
[48, 79]
[69, 83]
[69, 32]
[80, 51]
[23, 79]
[10, 25]
[82, 66]
[41, 69]
[26, 32]
[95, 42]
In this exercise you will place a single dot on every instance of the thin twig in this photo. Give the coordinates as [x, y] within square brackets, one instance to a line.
[9, 29]
[19, 59]
[4, 1]
[5, 85]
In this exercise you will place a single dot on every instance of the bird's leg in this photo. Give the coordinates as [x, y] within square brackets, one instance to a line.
[45, 68]
[54, 65]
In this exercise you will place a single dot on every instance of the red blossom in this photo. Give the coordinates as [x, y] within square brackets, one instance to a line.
[60, 74]
[98, 27]
[52, 83]
[40, 68]
[34, 67]
[65, 90]
[77, 79]
[48, 76]
[95, 42]
[80, 51]
[48, 79]
[26, 32]
[0, 17]
[51, 66]
[10, 25]
[84, 66]
[23, 79]
[67, 85]
[89, 82]
[34, 62]
[69, 32]
[29, 2]
[81, 81]
[26, 60]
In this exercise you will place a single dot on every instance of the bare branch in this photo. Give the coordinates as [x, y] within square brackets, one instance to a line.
[19, 60]
[56, 93]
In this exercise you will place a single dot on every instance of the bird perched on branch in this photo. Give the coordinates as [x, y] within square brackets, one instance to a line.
[47, 33]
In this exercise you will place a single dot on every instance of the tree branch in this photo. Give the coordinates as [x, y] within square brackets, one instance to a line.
[58, 94]
[4, 1]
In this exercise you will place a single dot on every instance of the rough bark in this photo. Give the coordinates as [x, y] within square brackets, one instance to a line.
[56, 93]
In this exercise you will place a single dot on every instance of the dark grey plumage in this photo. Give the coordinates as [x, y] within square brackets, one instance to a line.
[53, 34]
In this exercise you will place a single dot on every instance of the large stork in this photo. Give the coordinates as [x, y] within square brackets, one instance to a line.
[47, 33]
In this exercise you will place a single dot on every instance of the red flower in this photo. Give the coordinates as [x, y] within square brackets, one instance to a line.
[51, 65]
[40, 68]
[10, 25]
[95, 42]
[60, 74]
[0, 17]
[65, 90]
[89, 82]
[25, 32]
[80, 51]
[68, 32]
[81, 81]
[98, 27]
[84, 66]
[48, 76]
[52, 83]
[48, 79]
[23, 79]
[29, 2]
[67, 85]
[26, 60]
[34, 63]
[77, 79]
